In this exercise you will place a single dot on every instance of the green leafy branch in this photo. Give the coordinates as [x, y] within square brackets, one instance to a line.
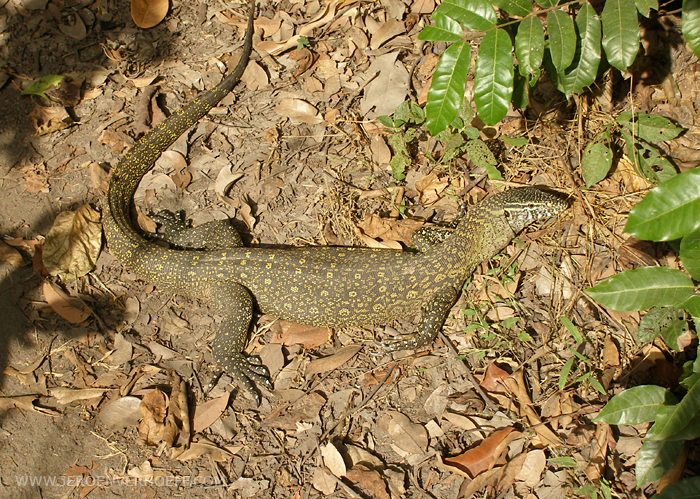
[570, 49]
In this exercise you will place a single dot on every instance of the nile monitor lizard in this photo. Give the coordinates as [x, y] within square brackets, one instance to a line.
[320, 286]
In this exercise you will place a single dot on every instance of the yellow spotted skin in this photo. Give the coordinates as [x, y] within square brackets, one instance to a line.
[320, 286]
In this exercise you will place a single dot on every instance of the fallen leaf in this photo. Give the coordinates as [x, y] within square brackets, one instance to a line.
[121, 413]
[10, 255]
[323, 481]
[370, 480]
[333, 460]
[389, 89]
[66, 395]
[148, 13]
[298, 110]
[26, 403]
[49, 119]
[304, 409]
[532, 468]
[485, 455]
[332, 362]
[290, 333]
[207, 413]
[387, 31]
[201, 446]
[71, 309]
[409, 440]
[73, 243]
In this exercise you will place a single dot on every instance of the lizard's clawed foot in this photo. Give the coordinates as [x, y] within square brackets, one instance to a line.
[171, 223]
[248, 370]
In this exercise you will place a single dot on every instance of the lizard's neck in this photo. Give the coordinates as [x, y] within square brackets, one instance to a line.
[479, 237]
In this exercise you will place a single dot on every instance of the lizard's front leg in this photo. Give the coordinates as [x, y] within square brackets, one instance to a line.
[433, 317]
[235, 303]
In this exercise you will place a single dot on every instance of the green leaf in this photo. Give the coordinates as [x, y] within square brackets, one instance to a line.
[480, 154]
[520, 98]
[690, 432]
[564, 374]
[519, 8]
[493, 77]
[595, 163]
[546, 3]
[649, 127]
[658, 321]
[565, 461]
[655, 459]
[691, 24]
[472, 14]
[620, 33]
[647, 161]
[409, 112]
[447, 90]
[386, 121]
[640, 289]
[573, 330]
[683, 412]
[529, 46]
[684, 489]
[692, 306]
[446, 29]
[43, 84]
[515, 141]
[669, 211]
[633, 406]
[584, 68]
[562, 39]
[690, 253]
[493, 173]
[644, 6]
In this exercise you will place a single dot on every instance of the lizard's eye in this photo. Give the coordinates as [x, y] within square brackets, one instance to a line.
[506, 213]
[531, 206]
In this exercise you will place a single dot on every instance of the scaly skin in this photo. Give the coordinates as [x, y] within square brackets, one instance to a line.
[320, 286]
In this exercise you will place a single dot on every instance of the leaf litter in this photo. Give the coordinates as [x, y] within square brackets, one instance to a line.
[366, 414]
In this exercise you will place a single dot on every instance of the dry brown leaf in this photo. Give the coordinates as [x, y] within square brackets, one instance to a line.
[99, 178]
[323, 481]
[27, 403]
[201, 446]
[154, 408]
[207, 413]
[121, 413]
[532, 467]
[430, 188]
[302, 410]
[494, 379]
[73, 243]
[66, 395]
[10, 255]
[423, 6]
[324, 17]
[333, 460]
[370, 480]
[408, 439]
[178, 411]
[389, 89]
[332, 362]
[516, 384]
[381, 154]
[484, 456]
[148, 13]
[73, 26]
[71, 309]
[599, 453]
[373, 243]
[291, 333]
[254, 76]
[611, 355]
[49, 119]
[298, 110]
[387, 31]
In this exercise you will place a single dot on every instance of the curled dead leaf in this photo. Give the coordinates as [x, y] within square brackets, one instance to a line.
[10, 255]
[71, 309]
[73, 243]
[148, 13]
[299, 110]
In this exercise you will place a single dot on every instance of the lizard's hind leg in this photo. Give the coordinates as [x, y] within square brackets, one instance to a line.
[178, 231]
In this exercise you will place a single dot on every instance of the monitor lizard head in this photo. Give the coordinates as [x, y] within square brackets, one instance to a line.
[521, 207]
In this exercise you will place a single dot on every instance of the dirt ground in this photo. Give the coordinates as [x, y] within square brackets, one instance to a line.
[345, 419]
